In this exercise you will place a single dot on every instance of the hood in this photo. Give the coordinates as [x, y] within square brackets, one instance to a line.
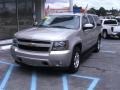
[52, 34]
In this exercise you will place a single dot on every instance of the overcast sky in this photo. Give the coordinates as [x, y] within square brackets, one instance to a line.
[107, 4]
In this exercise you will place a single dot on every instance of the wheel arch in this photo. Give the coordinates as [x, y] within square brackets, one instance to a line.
[104, 30]
[79, 45]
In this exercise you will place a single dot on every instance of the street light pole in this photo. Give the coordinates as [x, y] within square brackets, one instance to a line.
[71, 5]
[34, 12]
[17, 16]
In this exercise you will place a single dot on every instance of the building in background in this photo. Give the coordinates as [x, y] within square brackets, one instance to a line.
[58, 7]
[16, 15]
[50, 10]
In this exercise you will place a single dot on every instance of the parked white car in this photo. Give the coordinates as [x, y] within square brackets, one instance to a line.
[110, 28]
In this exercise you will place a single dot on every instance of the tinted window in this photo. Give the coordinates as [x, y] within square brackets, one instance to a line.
[84, 20]
[91, 20]
[110, 22]
[96, 18]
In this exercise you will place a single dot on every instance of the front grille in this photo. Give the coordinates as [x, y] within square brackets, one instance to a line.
[33, 41]
[32, 48]
[33, 45]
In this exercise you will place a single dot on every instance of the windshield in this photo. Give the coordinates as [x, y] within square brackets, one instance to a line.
[110, 22]
[61, 21]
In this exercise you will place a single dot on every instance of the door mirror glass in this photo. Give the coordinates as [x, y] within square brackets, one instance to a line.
[87, 26]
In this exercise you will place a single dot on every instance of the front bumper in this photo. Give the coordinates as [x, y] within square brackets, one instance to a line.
[45, 59]
[115, 34]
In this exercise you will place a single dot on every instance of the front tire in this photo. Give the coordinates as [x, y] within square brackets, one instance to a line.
[75, 61]
[97, 46]
[105, 34]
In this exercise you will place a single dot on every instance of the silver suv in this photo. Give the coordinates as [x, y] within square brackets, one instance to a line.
[58, 41]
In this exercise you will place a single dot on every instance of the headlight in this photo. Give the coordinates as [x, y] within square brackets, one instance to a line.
[60, 45]
[14, 42]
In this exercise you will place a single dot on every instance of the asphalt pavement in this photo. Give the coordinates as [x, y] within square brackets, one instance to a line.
[100, 71]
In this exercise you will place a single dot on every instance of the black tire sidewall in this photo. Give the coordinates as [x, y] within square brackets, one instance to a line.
[72, 68]
[96, 46]
[104, 32]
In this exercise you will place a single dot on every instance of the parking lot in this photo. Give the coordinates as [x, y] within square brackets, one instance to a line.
[100, 71]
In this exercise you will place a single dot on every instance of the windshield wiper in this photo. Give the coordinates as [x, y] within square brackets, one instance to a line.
[61, 27]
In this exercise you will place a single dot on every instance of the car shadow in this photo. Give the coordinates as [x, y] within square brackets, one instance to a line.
[111, 38]
[46, 71]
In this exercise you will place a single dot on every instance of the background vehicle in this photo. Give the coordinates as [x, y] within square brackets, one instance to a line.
[58, 41]
[110, 28]
[118, 19]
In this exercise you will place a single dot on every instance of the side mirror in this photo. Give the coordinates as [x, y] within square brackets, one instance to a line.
[87, 26]
[35, 24]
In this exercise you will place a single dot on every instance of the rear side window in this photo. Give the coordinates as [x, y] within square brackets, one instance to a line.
[110, 22]
[91, 20]
[97, 20]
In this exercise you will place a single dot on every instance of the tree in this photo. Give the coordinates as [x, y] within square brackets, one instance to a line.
[114, 12]
[102, 12]
[92, 11]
